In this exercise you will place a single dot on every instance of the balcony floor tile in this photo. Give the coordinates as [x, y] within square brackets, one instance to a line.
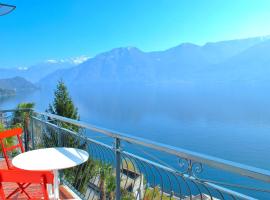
[33, 189]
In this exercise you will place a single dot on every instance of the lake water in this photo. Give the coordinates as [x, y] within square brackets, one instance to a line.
[231, 123]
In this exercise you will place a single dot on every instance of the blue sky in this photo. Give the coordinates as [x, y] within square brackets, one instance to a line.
[54, 29]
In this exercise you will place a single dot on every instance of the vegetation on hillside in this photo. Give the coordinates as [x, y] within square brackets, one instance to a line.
[156, 194]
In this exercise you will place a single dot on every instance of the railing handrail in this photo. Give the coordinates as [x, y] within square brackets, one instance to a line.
[230, 166]
[12, 110]
[245, 170]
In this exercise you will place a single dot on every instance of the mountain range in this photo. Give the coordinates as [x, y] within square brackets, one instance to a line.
[241, 60]
[35, 72]
[11, 86]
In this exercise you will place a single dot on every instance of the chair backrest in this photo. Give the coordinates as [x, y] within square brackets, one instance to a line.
[16, 132]
[22, 176]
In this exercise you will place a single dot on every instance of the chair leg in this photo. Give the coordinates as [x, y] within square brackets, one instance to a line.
[44, 189]
[2, 194]
[21, 188]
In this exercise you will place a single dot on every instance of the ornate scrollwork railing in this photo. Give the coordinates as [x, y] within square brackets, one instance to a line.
[190, 167]
[143, 169]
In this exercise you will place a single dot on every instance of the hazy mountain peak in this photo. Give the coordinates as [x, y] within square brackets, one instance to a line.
[128, 49]
[186, 47]
[120, 52]
[263, 38]
[188, 44]
[131, 48]
[218, 52]
[16, 84]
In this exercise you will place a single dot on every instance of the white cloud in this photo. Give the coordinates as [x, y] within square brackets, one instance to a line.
[73, 60]
[52, 61]
[80, 59]
[23, 68]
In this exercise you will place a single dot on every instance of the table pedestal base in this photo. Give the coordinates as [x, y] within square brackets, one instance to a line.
[56, 185]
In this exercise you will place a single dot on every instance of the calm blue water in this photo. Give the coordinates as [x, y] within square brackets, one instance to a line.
[223, 123]
[228, 122]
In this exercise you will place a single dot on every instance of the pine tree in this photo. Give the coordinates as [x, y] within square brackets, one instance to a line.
[64, 106]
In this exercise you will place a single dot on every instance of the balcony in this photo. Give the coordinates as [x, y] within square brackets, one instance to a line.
[125, 167]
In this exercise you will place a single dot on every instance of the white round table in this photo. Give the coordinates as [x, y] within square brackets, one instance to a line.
[51, 159]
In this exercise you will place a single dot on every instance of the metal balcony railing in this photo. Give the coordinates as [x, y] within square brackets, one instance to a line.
[126, 167]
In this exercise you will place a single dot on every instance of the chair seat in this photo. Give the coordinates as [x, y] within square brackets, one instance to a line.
[31, 184]
[33, 190]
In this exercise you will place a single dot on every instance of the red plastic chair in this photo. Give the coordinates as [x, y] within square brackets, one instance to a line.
[16, 132]
[29, 177]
